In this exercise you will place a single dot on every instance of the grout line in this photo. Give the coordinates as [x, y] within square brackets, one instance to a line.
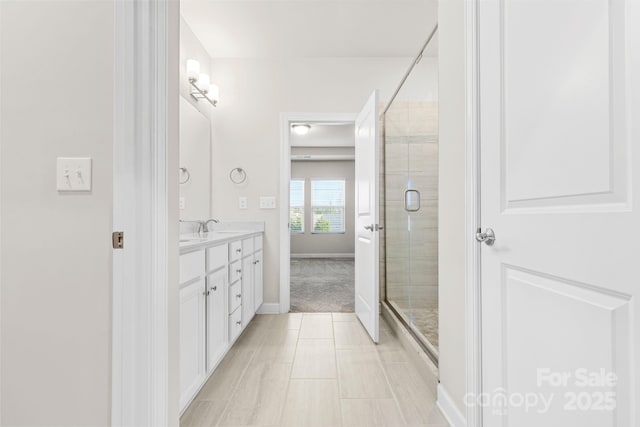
[244, 371]
[335, 355]
[386, 377]
[295, 353]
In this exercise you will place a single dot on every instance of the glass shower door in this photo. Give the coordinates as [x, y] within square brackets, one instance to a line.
[411, 206]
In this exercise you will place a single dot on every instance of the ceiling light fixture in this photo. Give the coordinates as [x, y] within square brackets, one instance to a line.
[201, 84]
[301, 129]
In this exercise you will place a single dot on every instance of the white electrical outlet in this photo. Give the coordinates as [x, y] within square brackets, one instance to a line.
[268, 202]
[73, 174]
[181, 202]
[242, 203]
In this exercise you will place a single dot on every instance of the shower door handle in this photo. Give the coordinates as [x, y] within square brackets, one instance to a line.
[411, 200]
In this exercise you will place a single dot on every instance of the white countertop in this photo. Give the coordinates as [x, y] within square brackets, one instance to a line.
[221, 234]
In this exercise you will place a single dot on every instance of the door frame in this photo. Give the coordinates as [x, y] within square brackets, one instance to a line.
[473, 285]
[131, 405]
[144, 386]
[285, 177]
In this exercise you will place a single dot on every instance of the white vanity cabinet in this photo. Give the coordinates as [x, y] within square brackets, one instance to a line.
[217, 283]
[220, 292]
[258, 286]
[192, 324]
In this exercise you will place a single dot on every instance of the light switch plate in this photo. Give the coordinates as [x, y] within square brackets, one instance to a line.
[73, 174]
[242, 203]
[267, 202]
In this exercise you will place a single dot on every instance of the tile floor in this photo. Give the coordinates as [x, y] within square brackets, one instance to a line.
[314, 369]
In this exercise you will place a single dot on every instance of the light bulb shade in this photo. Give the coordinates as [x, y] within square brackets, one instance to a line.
[301, 129]
[204, 82]
[214, 93]
[193, 70]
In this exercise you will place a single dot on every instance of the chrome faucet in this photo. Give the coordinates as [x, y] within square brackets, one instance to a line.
[204, 225]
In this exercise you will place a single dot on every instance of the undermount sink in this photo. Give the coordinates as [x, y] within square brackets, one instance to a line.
[226, 231]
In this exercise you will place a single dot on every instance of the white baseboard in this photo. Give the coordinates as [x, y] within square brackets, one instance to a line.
[449, 409]
[269, 308]
[322, 255]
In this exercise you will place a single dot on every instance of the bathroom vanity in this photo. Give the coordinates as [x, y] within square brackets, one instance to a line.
[220, 291]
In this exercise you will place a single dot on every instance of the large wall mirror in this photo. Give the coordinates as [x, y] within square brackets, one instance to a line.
[195, 163]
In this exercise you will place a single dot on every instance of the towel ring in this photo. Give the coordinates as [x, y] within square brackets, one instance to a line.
[186, 172]
[237, 175]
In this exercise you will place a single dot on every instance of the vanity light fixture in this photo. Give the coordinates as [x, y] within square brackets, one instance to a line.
[201, 84]
[301, 128]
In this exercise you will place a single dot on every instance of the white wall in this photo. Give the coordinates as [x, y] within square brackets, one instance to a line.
[57, 100]
[253, 93]
[452, 197]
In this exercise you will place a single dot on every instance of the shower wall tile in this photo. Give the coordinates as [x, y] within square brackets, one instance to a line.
[396, 158]
[423, 272]
[423, 119]
[395, 184]
[423, 157]
[416, 297]
[411, 153]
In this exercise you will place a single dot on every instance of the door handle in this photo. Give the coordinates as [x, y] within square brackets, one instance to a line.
[488, 237]
[411, 200]
[369, 227]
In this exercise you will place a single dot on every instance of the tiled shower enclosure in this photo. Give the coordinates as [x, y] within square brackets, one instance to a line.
[411, 203]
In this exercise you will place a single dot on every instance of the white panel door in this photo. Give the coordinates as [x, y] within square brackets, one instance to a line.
[247, 291]
[258, 285]
[367, 292]
[559, 116]
[192, 338]
[217, 317]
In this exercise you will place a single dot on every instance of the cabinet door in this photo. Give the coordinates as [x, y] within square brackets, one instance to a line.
[247, 290]
[217, 336]
[192, 318]
[258, 290]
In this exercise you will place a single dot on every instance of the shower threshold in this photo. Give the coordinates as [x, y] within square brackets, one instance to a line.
[423, 342]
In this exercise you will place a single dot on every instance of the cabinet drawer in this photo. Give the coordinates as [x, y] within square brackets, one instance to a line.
[235, 296]
[191, 266]
[217, 257]
[235, 250]
[235, 324]
[247, 246]
[257, 243]
[235, 271]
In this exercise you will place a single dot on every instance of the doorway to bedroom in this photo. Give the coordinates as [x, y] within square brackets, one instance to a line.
[322, 217]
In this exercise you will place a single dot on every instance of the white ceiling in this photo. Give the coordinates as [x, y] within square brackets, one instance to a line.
[311, 28]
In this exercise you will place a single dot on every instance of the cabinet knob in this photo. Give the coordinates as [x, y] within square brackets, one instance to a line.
[238, 250]
[238, 271]
[214, 288]
[239, 322]
[205, 293]
[238, 295]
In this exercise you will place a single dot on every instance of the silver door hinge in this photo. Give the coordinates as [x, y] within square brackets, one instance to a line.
[117, 239]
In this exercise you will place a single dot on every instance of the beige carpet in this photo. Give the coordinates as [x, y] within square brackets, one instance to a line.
[322, 285]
